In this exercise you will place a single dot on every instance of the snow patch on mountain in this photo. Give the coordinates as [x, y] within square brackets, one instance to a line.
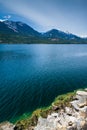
[20, 24]
[12, 25]
[2, 20]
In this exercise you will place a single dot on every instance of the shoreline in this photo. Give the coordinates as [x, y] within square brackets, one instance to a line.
[40, 112]
[31, 123]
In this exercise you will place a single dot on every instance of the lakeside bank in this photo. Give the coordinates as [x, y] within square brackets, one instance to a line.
[45, 118]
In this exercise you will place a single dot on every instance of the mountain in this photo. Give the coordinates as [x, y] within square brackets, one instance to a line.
[19, 32]
[18, 28]
[54, 33]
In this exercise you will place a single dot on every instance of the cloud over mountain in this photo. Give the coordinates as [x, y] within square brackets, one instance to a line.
[69, 15]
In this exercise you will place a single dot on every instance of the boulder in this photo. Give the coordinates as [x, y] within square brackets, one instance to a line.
[82, 97]
[68, 111]
[6, 126]
[83, 112]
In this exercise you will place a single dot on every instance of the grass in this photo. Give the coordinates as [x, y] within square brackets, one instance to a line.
[60, 102]
[64, 100]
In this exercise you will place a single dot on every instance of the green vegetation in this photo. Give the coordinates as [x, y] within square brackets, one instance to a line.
[11, 39]
[59, 102]
[63, 100]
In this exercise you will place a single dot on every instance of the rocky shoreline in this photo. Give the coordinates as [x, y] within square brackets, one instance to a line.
[72, 116]
[69, 118]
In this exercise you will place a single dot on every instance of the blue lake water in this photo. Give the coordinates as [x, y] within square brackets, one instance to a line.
[31, 76]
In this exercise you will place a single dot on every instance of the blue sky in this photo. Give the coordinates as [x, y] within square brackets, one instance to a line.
[43, 15]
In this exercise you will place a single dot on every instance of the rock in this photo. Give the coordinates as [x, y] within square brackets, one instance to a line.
[55, 115]
[86, 89]
[71, 128]
[83, 125]
[81, 93]
[82, 97]
[75, 105]
[68, 111]
[84, 109]
[6, 126]
[74, 118]
[83, 112]
[68, 118]
[30, 128]
[54, 107]
[81, 105]
[70, 123]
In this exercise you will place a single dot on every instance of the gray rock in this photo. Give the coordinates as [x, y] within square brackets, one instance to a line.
[6, 126]
[74, 118]
[69, 111]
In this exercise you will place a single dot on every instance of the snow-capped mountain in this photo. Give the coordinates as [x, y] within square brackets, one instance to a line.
[11, 27]
[54, 33]
[19, 32]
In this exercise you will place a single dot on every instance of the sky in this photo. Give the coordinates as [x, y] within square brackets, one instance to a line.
[43, 15]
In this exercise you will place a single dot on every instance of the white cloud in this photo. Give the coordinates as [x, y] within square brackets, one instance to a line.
[49, 14]
[84, 36]
[7, 17]
[30, 11]
[2, 20]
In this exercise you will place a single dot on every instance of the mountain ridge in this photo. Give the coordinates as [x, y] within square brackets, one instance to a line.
[14, 32]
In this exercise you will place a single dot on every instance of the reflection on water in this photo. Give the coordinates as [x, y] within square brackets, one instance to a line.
[32, 76]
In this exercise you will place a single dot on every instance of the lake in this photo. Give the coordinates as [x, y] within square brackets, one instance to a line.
[31, 76]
